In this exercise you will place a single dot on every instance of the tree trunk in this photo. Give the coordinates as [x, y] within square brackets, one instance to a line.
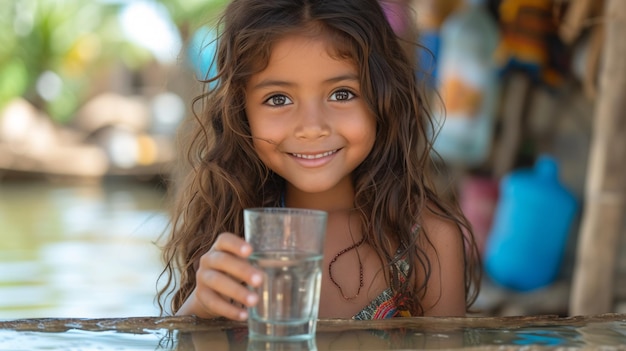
[598, 242]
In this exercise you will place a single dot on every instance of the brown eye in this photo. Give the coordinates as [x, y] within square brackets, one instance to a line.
[278, 100]
[342, 95]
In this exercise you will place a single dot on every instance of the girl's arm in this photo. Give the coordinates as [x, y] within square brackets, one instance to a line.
[445, 295]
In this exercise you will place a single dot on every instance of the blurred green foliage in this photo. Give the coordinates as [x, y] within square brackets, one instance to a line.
[192, 14]
[73, 40]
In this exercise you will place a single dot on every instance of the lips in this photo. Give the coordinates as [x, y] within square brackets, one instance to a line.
[314, 156]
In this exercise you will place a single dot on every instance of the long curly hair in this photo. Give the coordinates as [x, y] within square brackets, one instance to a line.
[393, 185]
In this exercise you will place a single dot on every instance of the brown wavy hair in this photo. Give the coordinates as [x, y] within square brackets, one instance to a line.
[223, 174]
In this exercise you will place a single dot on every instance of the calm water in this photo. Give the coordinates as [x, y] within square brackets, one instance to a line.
[155, 334]
[79, 250]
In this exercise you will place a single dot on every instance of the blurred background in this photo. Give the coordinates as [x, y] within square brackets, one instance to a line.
[91, 95]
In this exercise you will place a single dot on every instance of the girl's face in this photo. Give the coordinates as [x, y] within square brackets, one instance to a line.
[308, 120]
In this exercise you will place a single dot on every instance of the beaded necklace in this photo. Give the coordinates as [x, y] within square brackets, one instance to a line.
[354, 246]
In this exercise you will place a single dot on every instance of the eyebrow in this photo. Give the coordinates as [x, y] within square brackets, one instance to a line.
[281, 83]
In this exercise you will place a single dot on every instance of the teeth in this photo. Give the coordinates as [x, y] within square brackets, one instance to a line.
[312, 157]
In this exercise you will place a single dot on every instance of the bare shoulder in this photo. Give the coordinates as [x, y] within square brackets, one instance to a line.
[442, 232]
[443, 244]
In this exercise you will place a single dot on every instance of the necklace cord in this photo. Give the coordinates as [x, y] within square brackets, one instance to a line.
[354, 246]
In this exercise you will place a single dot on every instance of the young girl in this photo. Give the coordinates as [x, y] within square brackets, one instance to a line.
[316, 106]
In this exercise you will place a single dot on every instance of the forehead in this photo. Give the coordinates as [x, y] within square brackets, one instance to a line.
[335, 44]
[299, 46]
[308, 57]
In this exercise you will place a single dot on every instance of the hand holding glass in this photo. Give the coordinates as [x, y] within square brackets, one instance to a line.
[287, 245]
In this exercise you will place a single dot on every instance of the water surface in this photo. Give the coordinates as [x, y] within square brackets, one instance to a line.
[79, 249]
[604, 332]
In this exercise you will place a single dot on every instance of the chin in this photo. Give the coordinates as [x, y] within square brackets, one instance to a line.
[313, 186]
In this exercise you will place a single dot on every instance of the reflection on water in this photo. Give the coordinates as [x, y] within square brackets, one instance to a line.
[78, 340]
[168, 334]
[79, 250]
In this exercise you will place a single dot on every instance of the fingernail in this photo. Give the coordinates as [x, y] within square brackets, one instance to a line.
[245, 249]
[251, 299]
[255, 279]
[243, 315]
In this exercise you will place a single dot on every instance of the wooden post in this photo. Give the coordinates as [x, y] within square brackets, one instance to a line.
[602, 223]
[516, 96]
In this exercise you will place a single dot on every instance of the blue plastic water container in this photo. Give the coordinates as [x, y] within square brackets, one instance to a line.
[533, 218]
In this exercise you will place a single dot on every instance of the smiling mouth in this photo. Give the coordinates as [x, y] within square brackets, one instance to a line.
[314, 156]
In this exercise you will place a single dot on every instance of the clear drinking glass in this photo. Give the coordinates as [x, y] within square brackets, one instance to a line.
[288, 246]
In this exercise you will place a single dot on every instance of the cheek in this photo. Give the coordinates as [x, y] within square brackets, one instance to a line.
[264, 149]
[363, 132]
[262, 128]
[259, 136]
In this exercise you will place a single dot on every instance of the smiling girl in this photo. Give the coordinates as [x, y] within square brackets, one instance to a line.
[316, 106]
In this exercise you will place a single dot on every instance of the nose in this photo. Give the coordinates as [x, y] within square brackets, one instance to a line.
[312, 121]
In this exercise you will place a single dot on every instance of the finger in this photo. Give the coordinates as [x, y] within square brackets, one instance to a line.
[236, 267]
[227, 287]
[232, 243]
[214, 302]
